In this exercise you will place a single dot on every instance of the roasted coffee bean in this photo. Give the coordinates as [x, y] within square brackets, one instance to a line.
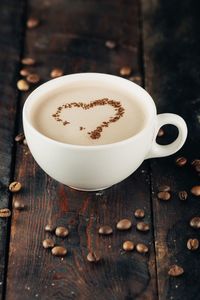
[48, 243]
[15, 186]
[124, 224]
[141, 226]
[56, 73]
[22, 85]
[196, 190]
[136, 79]
[33, 78]
[164, 196]
[28, 61]
[192, 244]
[110, 44]
[175, 271]
[125, 71]
[196, 164]
[128, 246]
[142, 248]
[24, 72]
[181, 161]
[93, 257]
[62, 231]
[160, 132]
[195, 222]
[105, 230]
[32, 23]
[19, 205]
[49, 228]
[164, 188]
[59, 251]
[139, 213]
[19, 138]
[25, 142]
[5, 213]
[183, 195]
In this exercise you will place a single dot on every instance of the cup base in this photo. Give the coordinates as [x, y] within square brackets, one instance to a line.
[89, 190]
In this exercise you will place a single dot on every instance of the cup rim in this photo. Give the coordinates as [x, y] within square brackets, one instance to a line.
[53, 83]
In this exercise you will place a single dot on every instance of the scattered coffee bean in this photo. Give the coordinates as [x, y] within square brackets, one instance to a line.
[160, 132]
[15, 186]
[128, 246]
[164, 196]
[105, 230]
[56, 73]
[164, 188]
[24, 72]
[181, 161]
[139, 213]
[19, 138]
[59, 251]
[48, 243]
[196, 190]
[195, 222]
[93, 257]
[22, 85]
[110, 44]
[49, 228]
[125, 71]
[192, 244]
[141, 226]
[25, 142]
[183, 195]
[32, 23]
[175, 271]
[142, 248]
[28, 61]
[5, 213]
[196, 164]
[33, 78]
[62, 231]
[19, 205]
[124, 224]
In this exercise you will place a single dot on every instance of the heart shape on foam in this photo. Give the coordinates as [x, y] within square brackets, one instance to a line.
[96, 133]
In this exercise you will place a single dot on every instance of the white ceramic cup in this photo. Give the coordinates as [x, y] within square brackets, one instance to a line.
[93, 168]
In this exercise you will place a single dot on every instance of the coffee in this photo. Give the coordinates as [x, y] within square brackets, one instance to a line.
[88, 115]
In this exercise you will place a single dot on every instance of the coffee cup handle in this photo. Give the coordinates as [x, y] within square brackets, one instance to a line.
[165, 150]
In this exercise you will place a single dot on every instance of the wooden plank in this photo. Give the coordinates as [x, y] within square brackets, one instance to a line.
[72, 35]
[171, 48]
[11, 12]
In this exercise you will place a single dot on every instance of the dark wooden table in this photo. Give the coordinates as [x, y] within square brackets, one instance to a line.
[160, 41]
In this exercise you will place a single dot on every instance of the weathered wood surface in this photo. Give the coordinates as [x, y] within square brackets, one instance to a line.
[171, 48]
[72, 35]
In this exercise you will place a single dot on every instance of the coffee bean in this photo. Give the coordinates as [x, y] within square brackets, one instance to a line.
[49, 228]
[139, 213]
[33, 78]
[110, 44]
[141, 226]
[136, 79]
[192, 244]
[124, 224]
[164, 188]
[19, 138]
[56, 73]
[19, 205]
[32, 23]
[125, 71]
[164, 196]
[196, 164]
[175, 271]
[93, 257]
[25, 142]
[62, 231]
[181, 161]
[183, 195]
[196, 190]
[160, 132]
[22, 85]
[105, 230]
[24, 72]
[28, 61]
[59, 251]
[195, 222]
[5, 213]
[142, 248]
[48, 243]
[128, 246]
[15, 186]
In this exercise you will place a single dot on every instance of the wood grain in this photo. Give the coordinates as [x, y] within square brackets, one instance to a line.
[72, 35]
